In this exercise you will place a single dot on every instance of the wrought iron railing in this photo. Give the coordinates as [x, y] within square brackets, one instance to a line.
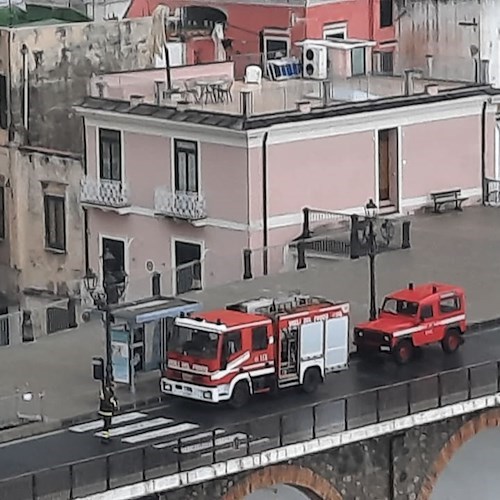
[352, 411]
[104, 192]
[492, 192]
[180, 204]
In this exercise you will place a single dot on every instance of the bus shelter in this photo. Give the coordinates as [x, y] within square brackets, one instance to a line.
[139, 334]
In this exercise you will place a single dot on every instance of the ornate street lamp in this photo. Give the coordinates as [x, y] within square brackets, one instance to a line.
[371, 212]
[114, 286]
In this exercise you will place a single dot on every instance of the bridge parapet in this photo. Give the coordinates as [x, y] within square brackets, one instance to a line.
[390, 410]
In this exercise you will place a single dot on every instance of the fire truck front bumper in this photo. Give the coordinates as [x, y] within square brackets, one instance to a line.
[192, 391]
[366, 340]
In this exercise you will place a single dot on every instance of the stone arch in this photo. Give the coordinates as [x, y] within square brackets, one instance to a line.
[467, 431]
[293, 475]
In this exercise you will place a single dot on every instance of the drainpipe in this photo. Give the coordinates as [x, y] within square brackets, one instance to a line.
[483, 153]
[24, 54]
[265, 228]
[85, 213]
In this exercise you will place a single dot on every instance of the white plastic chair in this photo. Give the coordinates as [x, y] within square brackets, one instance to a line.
[253, 74]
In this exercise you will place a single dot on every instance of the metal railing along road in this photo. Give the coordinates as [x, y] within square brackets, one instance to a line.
[303, 423]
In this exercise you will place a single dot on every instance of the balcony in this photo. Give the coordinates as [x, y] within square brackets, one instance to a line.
[180, 204]
[104, 193]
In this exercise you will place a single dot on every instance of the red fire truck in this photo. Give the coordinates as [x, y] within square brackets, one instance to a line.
[256, 346]
[414, 317]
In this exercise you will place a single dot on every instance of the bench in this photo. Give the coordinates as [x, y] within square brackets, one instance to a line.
[453, 196]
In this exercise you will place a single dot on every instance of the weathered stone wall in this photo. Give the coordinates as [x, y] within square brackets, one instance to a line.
[394, 467]
[61, 61]
[431, 27]
[35, 173]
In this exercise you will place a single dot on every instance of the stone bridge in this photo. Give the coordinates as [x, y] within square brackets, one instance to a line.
[396, 466]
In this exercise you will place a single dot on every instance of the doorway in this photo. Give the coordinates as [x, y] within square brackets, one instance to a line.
[388, 161]
[113, 261]
[187, 267]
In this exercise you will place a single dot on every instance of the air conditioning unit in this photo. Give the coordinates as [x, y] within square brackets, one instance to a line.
[315, 62]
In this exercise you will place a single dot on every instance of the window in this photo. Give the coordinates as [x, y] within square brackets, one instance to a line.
[55, 223]
[449, 304]
[2, 213]
[233, 343]
[186, 166]
[3, 102]
[358, 63]
[336, 31]
[395, 306]
[426, 312]
[259, 338]
[276, 48]
[110, 154]
[385, 13]
[386, 62]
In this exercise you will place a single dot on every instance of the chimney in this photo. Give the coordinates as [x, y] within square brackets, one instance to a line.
[182, 105]
[409, 87]
[326, 91]
[246, 103]
[410, 286]
[136, 99]
[432, 89]
[304, 106]
[430, 61]
[100, 88]
[159, 87]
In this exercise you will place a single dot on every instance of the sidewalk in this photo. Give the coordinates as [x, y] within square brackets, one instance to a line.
[459, 248]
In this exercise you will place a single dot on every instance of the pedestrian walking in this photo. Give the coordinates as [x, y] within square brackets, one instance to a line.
[107, 408]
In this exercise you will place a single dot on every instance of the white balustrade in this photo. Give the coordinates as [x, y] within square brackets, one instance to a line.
[104, 192]
[180, 204]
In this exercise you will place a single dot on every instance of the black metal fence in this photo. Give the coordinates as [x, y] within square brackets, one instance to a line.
[354, 411]
[346, 235]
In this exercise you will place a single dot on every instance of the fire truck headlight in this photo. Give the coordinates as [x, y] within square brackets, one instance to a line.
[207, 395]
[360, 333]
[387, 338]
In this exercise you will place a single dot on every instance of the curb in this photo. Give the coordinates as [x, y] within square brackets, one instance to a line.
[33, 429]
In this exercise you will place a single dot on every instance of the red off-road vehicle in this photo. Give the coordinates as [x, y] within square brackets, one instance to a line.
[414, 317]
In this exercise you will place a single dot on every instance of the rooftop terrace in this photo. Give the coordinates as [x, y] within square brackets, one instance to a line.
[227, 91]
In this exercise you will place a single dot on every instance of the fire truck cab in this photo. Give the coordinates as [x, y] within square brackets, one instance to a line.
[256, 346]
[414, 317]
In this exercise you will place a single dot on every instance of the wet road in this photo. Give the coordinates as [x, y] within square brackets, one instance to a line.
[161, 426]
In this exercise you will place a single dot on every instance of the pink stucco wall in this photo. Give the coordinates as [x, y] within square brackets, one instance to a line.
[441, 155]
[147, 165]
[224, 181]
[332, 173]
[151, 238]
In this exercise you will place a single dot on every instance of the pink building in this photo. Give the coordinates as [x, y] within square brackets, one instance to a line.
[172, 182]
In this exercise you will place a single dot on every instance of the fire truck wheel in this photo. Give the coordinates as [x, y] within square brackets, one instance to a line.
[451, 341]
[312, 378]
[241, 395]
[403, 352]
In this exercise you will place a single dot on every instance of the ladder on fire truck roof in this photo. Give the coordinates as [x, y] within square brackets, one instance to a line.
[281, 303]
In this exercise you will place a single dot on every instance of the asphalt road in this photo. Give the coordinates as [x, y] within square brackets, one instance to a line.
[158, 427]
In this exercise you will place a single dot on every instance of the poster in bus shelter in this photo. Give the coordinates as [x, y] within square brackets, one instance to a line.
[120, 355]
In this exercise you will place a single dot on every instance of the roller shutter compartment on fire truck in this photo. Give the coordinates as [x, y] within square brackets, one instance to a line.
[324, 348]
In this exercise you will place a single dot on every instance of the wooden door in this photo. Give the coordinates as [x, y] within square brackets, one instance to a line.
[383, 165]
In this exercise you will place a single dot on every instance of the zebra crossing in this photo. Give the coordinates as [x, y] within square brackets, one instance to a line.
[163, 433]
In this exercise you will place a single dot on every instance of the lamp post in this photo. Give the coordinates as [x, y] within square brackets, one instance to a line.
[371, 215]
[114, 285]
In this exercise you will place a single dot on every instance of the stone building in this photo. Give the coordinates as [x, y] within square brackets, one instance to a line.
[44, 69]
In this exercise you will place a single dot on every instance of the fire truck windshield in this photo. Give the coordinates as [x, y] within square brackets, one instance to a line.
[403, 307]
[191, 342]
